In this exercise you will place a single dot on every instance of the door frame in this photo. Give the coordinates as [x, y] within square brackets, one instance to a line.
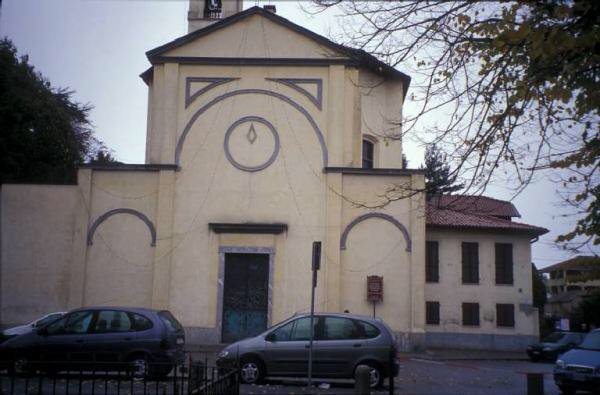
[221, 279]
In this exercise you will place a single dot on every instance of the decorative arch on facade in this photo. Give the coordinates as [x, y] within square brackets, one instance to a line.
[106, 215]
[385, 217]
[227, 95]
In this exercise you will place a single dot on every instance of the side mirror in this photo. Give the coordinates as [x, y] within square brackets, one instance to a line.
[271, 337]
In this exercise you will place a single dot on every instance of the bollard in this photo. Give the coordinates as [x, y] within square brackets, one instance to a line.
[362, 376]
[535, 384]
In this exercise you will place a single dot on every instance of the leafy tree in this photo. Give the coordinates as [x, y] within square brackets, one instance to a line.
[587, 311]
[45, 134]
[439, 179]
[517, 82]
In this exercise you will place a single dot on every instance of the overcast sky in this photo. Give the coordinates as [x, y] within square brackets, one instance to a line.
[97, 48]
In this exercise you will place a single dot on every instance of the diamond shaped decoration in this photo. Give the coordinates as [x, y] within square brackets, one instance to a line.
[251, 135]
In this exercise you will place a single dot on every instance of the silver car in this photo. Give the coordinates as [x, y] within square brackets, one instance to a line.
[342, 342]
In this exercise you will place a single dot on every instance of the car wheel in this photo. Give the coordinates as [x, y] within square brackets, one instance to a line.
[567, 390]
[20, 366]
[139, 365]
[376, 376]
[160, 372]
[252, 371]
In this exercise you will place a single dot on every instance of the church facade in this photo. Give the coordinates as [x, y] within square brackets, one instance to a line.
[262, 138]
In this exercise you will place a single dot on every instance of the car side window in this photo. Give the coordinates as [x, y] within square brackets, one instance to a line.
[337, 328]
[112, 321]
[283, 333]
[74, 323]
[301, 331]
[366, 330]
[139, 322]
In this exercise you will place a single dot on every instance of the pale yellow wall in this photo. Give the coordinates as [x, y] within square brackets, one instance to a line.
[38, 228]
[119, 264]
[209, 189]
[254, 37]
[381, 109]
[377, 247]
[451, 293]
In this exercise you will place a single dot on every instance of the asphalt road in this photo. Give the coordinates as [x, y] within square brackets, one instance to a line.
[420, 376]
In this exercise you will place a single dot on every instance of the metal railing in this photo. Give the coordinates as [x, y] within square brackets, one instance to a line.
[93, 378]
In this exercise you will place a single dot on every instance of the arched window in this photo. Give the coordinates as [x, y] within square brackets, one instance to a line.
[367, 154]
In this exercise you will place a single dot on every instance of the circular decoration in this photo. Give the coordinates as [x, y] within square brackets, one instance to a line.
[252, 137]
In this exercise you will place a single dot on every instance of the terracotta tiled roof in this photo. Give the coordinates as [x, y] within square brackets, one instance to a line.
[482, 205]
[461, 216]
[579, 261]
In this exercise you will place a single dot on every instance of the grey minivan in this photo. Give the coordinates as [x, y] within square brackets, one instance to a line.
[342, 342]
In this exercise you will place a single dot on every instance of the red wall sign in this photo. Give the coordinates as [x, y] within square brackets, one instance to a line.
[375, 288]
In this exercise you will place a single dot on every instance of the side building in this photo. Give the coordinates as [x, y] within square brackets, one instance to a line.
[478, 281]
[568, 281]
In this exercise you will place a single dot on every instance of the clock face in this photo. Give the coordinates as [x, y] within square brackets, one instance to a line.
[213, 5]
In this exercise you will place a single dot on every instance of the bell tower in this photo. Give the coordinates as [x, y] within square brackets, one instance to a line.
[205, 12]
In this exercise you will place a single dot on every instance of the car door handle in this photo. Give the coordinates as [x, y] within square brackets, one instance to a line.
[357, 345]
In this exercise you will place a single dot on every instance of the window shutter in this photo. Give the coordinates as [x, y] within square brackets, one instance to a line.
[504, 264]
[432, 274]
[470, 263]
[432, 313]
[470, 312]
[505, 315]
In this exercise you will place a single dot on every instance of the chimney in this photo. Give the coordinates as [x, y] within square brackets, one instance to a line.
[270, 8]
[206, 12]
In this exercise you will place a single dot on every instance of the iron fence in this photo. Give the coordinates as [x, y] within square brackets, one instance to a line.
[92, 378]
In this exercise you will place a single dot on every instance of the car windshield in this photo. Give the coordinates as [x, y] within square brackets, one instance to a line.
[553, 338]
[48, 319]
[591, 341]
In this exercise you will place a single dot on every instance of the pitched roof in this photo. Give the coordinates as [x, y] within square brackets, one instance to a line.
[477, 212]
[578, 261]
[481, 205]
[361, 57]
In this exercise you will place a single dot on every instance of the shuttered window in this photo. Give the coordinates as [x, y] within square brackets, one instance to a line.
[432, 313]
[470, 314]
[505, 315]
[470, 263]
[432, 272]
[504, 264]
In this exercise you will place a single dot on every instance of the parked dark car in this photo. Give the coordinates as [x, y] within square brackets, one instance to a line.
[150, 341]
[579, 368]
[342, 342]
[37, 323]
[553, 345]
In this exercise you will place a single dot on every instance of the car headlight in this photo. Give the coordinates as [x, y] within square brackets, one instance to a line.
[560, 363]
[223, 354]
